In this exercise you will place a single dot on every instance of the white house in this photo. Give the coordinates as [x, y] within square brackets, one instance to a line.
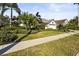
[54, 23]
[51, 25]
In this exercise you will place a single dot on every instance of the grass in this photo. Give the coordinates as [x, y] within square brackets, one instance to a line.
[36, 35]
[42, 34]
[68, 46]
[20, 35]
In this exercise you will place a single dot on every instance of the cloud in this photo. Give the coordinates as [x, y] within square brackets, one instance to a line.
[59, 15]
[34, 10]
[55, 11]
[54, 7]
[8, 12]
[62, 7]
[50, 11]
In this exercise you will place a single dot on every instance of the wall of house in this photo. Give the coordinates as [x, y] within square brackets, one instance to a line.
[51, 25]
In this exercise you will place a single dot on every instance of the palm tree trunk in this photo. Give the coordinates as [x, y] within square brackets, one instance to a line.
[78, 15]
[11, 15]
[2, 12]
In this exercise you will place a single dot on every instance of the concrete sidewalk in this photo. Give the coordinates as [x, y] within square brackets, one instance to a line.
[13, 47]
[77, 54]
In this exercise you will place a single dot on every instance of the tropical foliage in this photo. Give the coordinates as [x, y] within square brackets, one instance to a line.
[72, 24]
[3, 7]
[30, 21]
[6, 6]
[78, 12]
[7, 37]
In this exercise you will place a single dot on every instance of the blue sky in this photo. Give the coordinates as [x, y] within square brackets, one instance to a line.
[48, 10]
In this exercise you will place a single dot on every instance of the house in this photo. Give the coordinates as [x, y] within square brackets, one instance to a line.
[52, 24]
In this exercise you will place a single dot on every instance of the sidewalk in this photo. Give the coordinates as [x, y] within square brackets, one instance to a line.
[13, 47]
[77, 54]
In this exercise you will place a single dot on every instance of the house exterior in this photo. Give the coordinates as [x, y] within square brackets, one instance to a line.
[52, 24]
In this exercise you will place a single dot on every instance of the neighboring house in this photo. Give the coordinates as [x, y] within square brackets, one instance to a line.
[52, 24]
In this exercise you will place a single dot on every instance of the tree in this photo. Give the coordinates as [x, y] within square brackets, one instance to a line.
[15, 7]
[6, 6]
[39, 17]
[3, 7]
[72, 24]
[29, 20]
[78, 13]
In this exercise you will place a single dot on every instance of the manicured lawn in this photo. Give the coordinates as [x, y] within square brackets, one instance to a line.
[68, 46]
[20, 35]
[42, 34]
[37, 35]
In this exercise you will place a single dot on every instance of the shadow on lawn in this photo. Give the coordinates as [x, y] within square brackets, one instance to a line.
[3, 50]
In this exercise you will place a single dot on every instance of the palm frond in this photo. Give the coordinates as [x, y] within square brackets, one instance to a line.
[18, 10]
[4, 10]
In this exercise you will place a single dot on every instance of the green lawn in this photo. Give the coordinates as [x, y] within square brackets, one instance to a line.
[68, 46]
[23, 36]
[42, 34]
[20, 35]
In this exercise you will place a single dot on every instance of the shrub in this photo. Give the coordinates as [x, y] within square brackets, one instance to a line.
[72, 26]
[60, 26]
[22, 31]
[34, 31]
[7, 37]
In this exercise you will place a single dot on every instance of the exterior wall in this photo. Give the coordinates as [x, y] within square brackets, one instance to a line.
[51, 25]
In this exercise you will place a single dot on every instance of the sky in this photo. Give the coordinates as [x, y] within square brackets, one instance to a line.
[48, 10]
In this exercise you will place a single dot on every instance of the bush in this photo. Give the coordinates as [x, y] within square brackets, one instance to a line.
[34, 31]
[72, 26]
[7, 37]
[22, 31]
[50, 29]
[60, 26]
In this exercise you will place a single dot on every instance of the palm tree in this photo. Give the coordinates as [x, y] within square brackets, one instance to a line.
[39, 17]
[3, 7]
[12, 6]
[30, 21]
[15, 7]
[78, 13]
